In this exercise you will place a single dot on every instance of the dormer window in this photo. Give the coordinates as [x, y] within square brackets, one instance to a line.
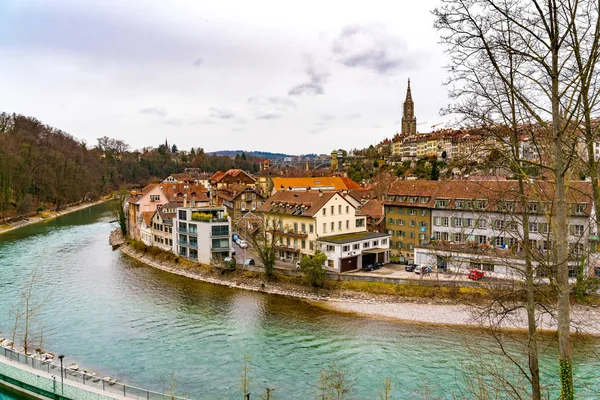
[441, 203]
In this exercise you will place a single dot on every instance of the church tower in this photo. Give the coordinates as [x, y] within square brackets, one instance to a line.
[409, 122]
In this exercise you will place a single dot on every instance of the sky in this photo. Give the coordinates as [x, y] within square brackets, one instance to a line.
[294, 77]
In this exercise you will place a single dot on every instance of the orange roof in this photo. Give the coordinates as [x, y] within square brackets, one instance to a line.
[176, 192]
[324, 183]
[290, 202]
[148, 217]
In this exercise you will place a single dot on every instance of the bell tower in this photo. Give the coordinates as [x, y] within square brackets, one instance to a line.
[409, 122]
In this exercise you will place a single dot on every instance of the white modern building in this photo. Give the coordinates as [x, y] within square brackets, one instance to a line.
[202, 233]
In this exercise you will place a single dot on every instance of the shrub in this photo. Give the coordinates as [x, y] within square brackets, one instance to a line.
[313, 269]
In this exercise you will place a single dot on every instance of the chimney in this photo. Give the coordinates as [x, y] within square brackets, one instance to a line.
[184, 200]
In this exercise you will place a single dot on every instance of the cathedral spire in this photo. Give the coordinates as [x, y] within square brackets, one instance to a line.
[409, 122]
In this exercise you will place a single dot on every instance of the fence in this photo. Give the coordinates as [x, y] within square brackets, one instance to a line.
[62, 375]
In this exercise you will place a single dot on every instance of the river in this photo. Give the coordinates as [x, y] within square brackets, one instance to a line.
[122, 319]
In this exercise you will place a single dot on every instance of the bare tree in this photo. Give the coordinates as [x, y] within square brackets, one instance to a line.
[333, 384]
[546, 89]
[265, 240]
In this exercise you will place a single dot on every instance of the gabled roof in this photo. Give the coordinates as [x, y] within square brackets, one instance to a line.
[165, 216]
[234, 191]
[250, 222]
[219, 176]
[176, 191]
[373, 209]
[334, 183]
[148, 217]
[298, 203]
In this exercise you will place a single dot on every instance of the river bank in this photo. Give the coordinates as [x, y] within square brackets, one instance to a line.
[585, 319]
[48, 215]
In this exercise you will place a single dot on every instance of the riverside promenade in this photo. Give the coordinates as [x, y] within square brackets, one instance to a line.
[42, 380]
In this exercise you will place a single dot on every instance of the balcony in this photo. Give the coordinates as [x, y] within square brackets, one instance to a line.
[291, 233]
[187, 231]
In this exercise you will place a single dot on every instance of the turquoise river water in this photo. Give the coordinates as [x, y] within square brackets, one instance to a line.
[141, 325]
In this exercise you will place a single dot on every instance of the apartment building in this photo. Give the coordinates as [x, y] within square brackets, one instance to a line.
[309, 221]
[202, 234]
[239, 200]
[162, 226]
[479, 224]
[407, 211]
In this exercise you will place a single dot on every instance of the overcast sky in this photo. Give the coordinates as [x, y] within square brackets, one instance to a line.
[294, 77]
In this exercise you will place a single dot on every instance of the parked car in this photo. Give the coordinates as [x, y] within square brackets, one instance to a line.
[476, 274]
[368, 267]
[421, 269]
[235, 237]
[410, 267]
[378, 265]
[242, 244]
[249, 261]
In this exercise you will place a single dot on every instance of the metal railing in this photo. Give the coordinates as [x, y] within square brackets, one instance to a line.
[93, 381]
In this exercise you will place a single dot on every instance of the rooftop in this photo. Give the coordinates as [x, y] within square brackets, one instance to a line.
[353, 237]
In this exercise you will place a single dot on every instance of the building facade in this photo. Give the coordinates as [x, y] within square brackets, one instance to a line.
[202, 234]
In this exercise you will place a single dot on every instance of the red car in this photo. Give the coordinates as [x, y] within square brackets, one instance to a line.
[476, 274]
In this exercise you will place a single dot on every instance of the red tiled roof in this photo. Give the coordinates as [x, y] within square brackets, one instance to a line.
[291, 202]
[176, 191]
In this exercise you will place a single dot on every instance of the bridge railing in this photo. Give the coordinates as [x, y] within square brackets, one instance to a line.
[65, 374]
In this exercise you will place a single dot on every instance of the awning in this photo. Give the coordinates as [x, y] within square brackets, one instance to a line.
[374, 251]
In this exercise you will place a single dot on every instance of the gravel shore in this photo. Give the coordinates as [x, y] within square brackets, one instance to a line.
[585, 320]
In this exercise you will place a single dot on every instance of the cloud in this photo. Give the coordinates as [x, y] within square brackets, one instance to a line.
[269, 108]
[352, 116]
[215, 113]
[197, 63]
[317, 78]
[154, 111]
[370, 47]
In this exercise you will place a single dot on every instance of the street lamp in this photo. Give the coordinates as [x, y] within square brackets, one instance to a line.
[62, 382]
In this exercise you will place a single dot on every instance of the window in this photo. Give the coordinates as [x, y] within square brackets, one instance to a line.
[444, 221]
[423, 200]
[324, 227]
[412, 199]
[412, 211]
[481, 239]
[254, 205]
[356, 247]
[499, 240]
[391, 221]
[330, 248]
[365, 245]
[400, 233]
[295, 227]
[469, 222]
[303, 244]
[220, 230]
[411, 246]
[499, 224]
[399, 245]
[253, 196]
[577, 230]
[579, 208]
[441, 203]
[182, 214]
[384, 241]
[458, 222]
[360, 222]
[347, 209]
[423, 224]
[303, 228]
[412, 223]
[339, 225]
[332, 226]
[154, 197]
[347, 224]
[437, 235]
[339, 209]
[437, 221]
[533, 207]
[192, 228]
[482, 223]
[311, 245]
[533, 227]
[287, 242]
[182, 226]
[542, 227]
[220, 243]
[310, 228]
[400, 222]
[324, 211]
[483, 266]
[375, 243]
[456, 237]
[332, 210]
[423, 212]
[346, 248]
